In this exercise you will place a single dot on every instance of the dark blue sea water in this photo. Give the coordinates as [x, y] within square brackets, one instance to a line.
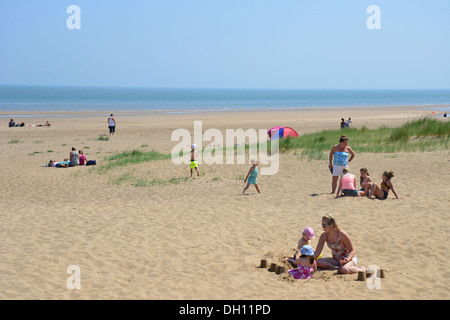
[54, 99]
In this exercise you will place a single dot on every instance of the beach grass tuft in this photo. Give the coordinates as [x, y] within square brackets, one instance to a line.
[130, 158]
[14, 141]
[424, 134]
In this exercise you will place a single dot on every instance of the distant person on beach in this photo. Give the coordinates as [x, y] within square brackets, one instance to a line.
[342, 123]
[12, 123]
[347, 123]
[365, 182]
[111, 124]
[338, 160]
[47, 124]
[306, 265]
[83, 159]
[194, 160]
[342, 250]
[251, 177]
[22, 124]
[347, 185]
[382, 191]
[445, 115]
[74, 158]
[56, 164]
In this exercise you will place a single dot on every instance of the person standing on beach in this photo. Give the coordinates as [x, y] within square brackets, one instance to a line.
[194, 158]
[111, 125]
[339, 160]
[342, 123]
[251, 177]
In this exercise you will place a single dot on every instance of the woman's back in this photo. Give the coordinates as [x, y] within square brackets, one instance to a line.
[348, 181]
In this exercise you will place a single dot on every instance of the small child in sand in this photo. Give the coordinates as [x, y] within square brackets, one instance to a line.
[306, 265]
[251, 177]
[307, 235]
[194, 157]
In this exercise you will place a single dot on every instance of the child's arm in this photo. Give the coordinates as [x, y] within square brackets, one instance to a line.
[245, 180]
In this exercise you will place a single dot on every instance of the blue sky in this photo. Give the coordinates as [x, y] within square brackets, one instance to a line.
[227, 44]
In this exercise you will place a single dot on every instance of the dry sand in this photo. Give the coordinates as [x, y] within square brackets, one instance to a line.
[198, 238]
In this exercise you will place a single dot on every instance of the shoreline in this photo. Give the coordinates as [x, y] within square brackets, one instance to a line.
[64, 113]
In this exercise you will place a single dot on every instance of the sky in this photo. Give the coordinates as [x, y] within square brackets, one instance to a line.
[286, 44]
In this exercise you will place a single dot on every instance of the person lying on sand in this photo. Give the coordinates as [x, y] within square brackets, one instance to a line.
[56, 164]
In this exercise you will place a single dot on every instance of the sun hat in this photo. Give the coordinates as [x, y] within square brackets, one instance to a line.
[194, 146]
[309, 232]
[307, 250]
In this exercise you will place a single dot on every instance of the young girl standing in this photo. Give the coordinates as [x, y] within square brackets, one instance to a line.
[251, 177]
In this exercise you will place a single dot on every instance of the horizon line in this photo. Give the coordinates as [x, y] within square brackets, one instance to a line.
[211, 88]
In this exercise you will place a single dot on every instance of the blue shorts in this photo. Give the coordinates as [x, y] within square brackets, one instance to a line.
[349, 192]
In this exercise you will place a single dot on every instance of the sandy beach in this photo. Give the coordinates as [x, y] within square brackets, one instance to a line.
[182, 238]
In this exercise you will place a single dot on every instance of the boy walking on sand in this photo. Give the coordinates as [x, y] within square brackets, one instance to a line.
[194, 157]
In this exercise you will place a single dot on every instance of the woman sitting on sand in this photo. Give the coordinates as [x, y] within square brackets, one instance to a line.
[382, 191]
[365, 182]
[342, 249]
[347, 185]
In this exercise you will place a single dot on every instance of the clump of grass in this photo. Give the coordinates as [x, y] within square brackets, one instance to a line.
[14, 141]
[130, 158]
[49, 151]
[424, 134]
[103, 138]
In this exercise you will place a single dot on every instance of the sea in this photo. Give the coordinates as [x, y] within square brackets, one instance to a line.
[35, 99]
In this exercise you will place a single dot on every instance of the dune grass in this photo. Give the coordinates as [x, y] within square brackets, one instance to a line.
[130, 158]
[425, 134]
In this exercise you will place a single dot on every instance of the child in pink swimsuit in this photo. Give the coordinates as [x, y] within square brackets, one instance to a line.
[306, 265]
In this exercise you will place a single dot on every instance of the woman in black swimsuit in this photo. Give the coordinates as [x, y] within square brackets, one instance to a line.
[382, 191]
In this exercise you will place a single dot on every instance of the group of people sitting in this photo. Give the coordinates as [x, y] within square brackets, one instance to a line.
[12, 123]
[307, 261]
[76, 158]
[347, 185]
